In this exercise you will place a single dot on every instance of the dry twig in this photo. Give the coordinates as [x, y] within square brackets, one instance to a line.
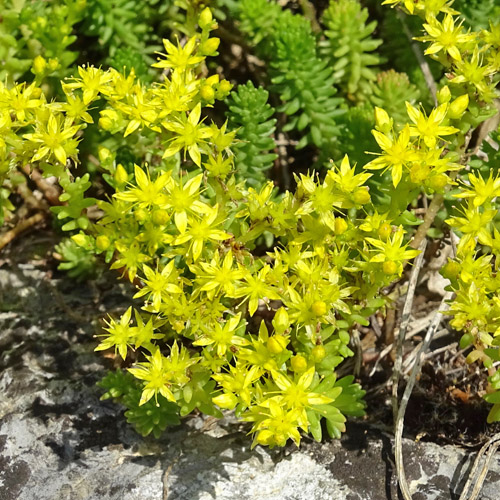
[22, 226]
[424, 65]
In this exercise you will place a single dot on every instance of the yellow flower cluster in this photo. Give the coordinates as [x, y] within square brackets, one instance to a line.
[472, 58]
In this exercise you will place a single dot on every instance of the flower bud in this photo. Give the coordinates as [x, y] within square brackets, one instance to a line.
[318, 353]
[299, 363]
[281, 322]
[227, 400]
[178, 326]
[207, 92]
[121, 176]
[102, 242]
[225, 87]
[361, 196]
[438, 182]
[80, 239]
[53, 64]
[319, 308]
[389, 267]
[212, 80]
[206, 18]
[160, 217]
[210, 46]
[458, 106]
[450, 270]
[444, 95]
[384, 231]
[140, 215]
[39, 65]
[382, 120]
[340, 226]
[277, 344]
[105, 155]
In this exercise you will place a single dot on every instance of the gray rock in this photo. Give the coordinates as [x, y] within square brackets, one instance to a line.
[58, 441]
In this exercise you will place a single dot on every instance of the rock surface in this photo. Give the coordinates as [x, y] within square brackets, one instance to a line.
[58, 441]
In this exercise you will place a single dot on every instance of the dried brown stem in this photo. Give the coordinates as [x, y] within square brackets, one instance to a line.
[50, 192]
[424, 66]
[430, 215]
[22, 226]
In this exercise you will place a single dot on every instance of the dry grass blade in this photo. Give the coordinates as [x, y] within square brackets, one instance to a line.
[491, 447]
[405, 319]
[398, 438]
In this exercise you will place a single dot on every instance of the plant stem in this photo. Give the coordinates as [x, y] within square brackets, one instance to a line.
[430, 215]
[424, 66]
[310, 13]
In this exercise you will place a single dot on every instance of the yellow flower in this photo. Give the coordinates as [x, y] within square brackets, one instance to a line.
[184, 198]
[22, 99]
[222, 335]
[397, 153]
[191, 135]
[147, 193]
[140, 109]
[92, 81]
[56, 138]
[201, 231]
[429, 129]
[481, 190]
[256, 288]
[179, 58]
[212, 277]
[159, 284]
[76, 109]
[445, 36]
[158, 379]
[392, 250]
[278, 425]
[120, 334]
[471, 71]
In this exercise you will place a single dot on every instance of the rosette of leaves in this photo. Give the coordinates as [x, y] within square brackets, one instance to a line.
[251, 114]
[13, 55]
[148, 418]
[349, 45]
[30, 29]
[390, 91]
[79, 262]
[356, 137]
[126, 58]
[124, 23]
[302, 79]
[257, 21]
[349, 402]
[304, 83]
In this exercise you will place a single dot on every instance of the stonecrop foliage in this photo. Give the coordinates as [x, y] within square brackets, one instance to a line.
[248, 294]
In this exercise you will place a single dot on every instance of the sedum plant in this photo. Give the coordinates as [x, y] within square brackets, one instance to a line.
[298, 75]
[247, 299]
[220, 327]
[250, 114]
[349, 45]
